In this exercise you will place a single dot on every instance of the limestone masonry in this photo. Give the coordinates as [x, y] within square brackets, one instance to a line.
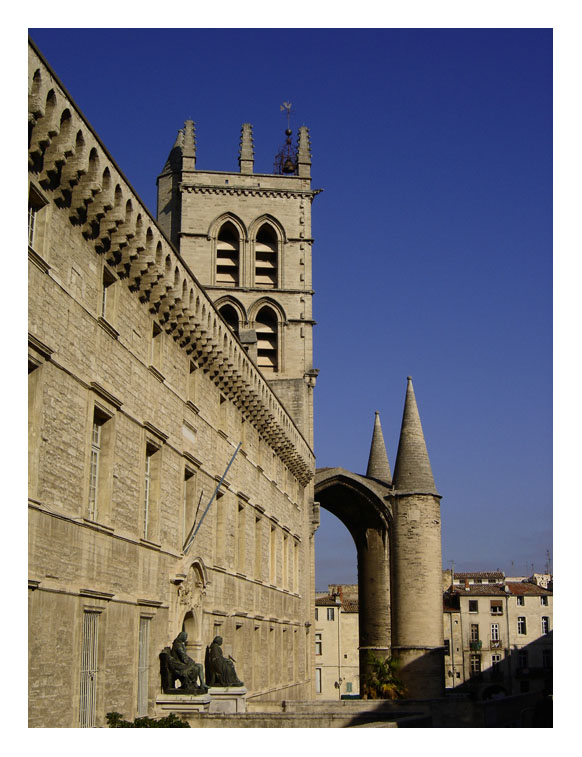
[171, 466]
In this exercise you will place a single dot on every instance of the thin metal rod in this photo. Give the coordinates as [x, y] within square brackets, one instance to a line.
[195, 518]
[187, 547]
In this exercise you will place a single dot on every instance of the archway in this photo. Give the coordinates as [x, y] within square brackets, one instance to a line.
[360, 504]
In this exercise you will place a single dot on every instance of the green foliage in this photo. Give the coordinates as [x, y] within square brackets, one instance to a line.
[381, 680]
[115, 720]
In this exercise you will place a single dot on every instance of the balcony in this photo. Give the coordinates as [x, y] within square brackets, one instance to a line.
[475, 646]
[495, 644]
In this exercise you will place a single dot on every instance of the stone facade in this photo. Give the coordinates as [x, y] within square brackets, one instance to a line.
[140, 395]
[336, 631]
[498, 636]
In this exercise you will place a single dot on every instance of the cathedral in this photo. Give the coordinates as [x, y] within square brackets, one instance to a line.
[172, 480]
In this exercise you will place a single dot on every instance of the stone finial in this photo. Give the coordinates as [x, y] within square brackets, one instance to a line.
[189, 146]
[246, 156]
[378, 465]
[412, 470]
[304, 153]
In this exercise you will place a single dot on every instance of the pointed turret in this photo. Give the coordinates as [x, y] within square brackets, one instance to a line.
[412, 471]
[246, 156]
[378, 465]
[189, 147]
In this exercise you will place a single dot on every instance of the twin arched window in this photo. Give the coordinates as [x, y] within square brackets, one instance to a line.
[228, 257]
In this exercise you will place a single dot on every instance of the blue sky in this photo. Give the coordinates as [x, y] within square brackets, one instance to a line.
[433, 236]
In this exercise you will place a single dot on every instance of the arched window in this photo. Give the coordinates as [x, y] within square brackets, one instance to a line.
[266, 257]
[230, 316]
[227, 255]
[267, 333]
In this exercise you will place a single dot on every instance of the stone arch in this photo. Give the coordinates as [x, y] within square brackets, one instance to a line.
[267, 240]
[361, 505]
[229, 238]
[235, 312]
[267, 317]
[191, 594]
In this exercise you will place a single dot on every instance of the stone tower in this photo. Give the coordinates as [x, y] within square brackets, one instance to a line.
[417, 625]
[247, 238]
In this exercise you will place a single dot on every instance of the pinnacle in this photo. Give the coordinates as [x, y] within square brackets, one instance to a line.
[412, 471]
[378, 465]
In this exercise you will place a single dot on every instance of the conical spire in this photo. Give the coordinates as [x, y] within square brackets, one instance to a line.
[412, 471]
[183, 154]
[378, 465]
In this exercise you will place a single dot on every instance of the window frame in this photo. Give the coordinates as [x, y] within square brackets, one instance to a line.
[521, 625]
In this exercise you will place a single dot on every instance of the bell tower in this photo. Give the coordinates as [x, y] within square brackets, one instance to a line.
[246, 237]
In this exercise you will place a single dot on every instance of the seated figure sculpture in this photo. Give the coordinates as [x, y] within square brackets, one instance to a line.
[176, 664]
[220, 669]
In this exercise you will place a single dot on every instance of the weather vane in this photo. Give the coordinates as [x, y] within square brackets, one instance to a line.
[287, 106]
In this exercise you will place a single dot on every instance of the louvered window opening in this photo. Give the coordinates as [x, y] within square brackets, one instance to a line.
[88, 671]
[266, 258]
[266, 327]
[227, 256]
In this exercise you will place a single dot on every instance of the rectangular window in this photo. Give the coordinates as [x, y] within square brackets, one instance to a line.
[330, 613]
[316, 614]
[496, 607]
[473, 605]
[285, 581]
[318, 680]
[99, 463]
[241, 539]
[494, 631]
[545, 624]
[544, 601]
[495, 659]
[523, 658]
[156, 346]
[36, 203]
[151, 490]
[190, 504]
[521, 626]
[88, 694]
[94, 469]
[258, 547]
[348, 687]
[273, 556]
[318, 644]
[520, 601]
[192, 379]
[107, 296]
[475, 663]
[143, 667]
[474, 632]
[547, 659]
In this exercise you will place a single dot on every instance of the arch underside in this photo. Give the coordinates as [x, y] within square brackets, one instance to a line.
[360, 504]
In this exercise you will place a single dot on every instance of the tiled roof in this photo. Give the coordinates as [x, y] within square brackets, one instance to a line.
[350, 605]
[480, 590]
[497, 574]
[527, 588]
[325, 602]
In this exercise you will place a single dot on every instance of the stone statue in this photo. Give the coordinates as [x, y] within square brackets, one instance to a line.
[220, 669]
[175, 664]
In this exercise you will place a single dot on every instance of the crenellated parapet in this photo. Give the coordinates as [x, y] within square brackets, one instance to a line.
[78, 175]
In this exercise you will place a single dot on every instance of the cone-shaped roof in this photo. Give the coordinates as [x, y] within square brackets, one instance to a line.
[412, 471]
[378, 465]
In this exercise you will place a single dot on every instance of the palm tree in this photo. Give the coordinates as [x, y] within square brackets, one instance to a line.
[380, 680]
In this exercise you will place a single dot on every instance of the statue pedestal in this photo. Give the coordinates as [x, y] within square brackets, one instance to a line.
[227, 699]
[182, 703]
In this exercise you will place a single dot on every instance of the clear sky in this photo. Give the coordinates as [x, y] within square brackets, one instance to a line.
[433, 236]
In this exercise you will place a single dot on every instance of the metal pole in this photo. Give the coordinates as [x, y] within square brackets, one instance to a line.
[187, 547]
